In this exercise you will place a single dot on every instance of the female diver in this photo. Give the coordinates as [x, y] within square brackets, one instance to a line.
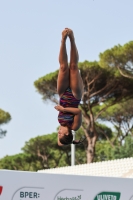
[70, 89]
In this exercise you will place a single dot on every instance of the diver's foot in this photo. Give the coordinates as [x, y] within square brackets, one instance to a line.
[64, 34]
[70, 35]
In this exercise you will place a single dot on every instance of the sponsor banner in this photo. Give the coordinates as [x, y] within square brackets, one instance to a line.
[69, 194]
[28, 193]
[108, 196]
[15, 185]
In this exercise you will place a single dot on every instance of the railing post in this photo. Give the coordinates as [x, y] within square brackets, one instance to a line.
[73, 151]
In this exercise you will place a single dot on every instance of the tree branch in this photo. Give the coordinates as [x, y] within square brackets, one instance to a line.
[125, 75]
[95, 93]
[107, 138]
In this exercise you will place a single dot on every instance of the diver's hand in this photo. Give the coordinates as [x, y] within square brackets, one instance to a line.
[59, 108]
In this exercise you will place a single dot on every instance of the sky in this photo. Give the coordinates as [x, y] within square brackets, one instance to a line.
[30, 35]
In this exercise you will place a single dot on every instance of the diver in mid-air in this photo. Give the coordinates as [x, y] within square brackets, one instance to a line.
[70, 89]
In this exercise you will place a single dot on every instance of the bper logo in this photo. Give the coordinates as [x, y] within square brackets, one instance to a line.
[108, 196]
[1, 188]
[29, 195]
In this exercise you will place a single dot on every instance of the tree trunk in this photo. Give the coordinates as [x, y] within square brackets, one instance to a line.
[91, 149]
[91, 136]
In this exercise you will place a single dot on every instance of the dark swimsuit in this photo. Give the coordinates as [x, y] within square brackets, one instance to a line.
[67, 100]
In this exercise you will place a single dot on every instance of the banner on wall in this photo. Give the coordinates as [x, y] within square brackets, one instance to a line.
[17, 185]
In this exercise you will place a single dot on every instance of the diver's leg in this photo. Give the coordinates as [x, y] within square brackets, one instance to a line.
[76, 82]
[63, 75]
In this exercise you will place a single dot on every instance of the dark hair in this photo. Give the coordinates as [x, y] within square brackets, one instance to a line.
[68, 139]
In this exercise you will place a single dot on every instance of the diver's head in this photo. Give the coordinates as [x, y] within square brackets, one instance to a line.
[65, 135]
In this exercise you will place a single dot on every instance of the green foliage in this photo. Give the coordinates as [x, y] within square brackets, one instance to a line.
[104, 151]
[50, 155]
[46, 85]
[121, 117]
[125, 150]
[42, 152]
[118, 56]
[119, 111]
[45, 150]
[5, 117]
[20, 161]
[104, 132]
